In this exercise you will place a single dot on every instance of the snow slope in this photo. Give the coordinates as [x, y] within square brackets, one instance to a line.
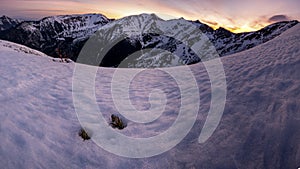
[260, 127]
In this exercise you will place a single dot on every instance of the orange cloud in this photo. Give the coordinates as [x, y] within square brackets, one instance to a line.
[234, 15]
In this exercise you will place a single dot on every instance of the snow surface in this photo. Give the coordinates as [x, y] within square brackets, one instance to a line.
[260, 127]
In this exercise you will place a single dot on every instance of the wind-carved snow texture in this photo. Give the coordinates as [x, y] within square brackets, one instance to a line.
[260, 127]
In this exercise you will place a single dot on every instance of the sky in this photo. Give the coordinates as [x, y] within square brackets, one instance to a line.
[234, 15]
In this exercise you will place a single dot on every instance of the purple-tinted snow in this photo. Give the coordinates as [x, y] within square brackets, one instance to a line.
[260, 127]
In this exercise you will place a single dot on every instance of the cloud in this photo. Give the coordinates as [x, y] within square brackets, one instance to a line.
[257, 24]
[278, 18]
[210, 22]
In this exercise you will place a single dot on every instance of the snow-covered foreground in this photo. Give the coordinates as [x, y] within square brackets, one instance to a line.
[260, 127]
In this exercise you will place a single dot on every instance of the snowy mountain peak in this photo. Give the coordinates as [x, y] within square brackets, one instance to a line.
[73, 25]
[146, 32]
[223, 33]
[4, 17]
[227, 42]
[148, 23]
[7, 23]
[89, 18]
[203, 27]
[147, 16]
[276, 28]
[64, 33]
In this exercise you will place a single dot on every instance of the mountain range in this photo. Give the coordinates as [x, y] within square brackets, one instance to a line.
[66, 35]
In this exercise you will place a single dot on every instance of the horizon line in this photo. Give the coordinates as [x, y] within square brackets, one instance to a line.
[28, 19]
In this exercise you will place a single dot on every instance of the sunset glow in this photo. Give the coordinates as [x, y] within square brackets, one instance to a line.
[234, 15]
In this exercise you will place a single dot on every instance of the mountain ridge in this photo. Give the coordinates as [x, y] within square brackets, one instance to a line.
[7, 22]
[65, 35]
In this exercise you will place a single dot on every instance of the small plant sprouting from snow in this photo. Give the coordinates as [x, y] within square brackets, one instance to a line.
[117, 122]
[83, 134]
